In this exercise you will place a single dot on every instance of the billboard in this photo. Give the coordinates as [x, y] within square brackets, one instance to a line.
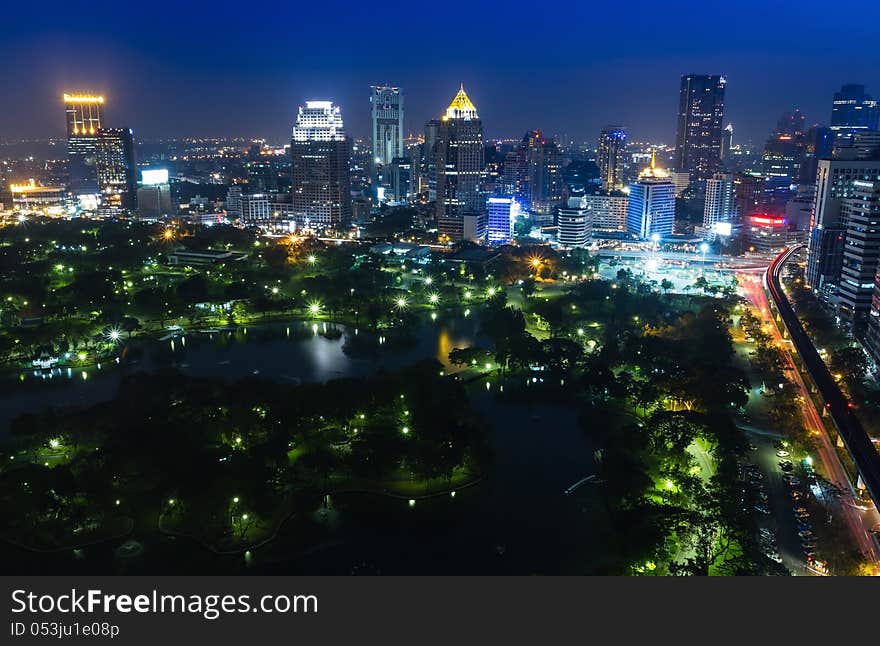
[723, 228]
[155, 176]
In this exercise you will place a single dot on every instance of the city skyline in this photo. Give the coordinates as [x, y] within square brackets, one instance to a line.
[587, 87]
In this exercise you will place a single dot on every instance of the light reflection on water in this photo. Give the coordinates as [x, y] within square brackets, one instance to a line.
[291, 352]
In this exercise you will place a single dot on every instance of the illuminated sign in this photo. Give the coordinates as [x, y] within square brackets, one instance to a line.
[723, 228]
[82, 98]
[156, 176]
[769, 220]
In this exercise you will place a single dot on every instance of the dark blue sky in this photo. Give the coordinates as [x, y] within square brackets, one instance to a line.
[241, 68]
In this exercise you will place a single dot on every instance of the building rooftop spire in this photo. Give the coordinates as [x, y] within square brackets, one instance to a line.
[461, 107]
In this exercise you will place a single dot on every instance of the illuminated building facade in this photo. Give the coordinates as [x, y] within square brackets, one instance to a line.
[458, 159]
[769, 233]
[29, 198]
[320, 172]
[861, 251]
[116, 171]
[699, 131]
[503, 212]
[834, 183]
[85, 117]
[650, 211]
[608, 212]
[386, 117]
[720, 206]
[574, 224]
[610, 156]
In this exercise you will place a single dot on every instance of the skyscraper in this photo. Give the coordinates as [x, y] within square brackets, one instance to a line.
[650, 211]
[834, 183]
[458, 154]
[386, 117]
[116, 171]
[782, 158]
[320, 174]
[699, 132]
[85, 117]
[545, 175]
[609, 156]
[853, 109]
[861, 250]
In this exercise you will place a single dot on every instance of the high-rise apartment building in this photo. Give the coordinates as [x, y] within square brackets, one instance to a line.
[720, 205]
[458, 159]
[386, 119]
[85, 117]
[610, 156]
[320, 173]
[699, 131]
[116, 171]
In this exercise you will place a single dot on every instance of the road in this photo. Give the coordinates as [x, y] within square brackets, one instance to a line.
[858, 521]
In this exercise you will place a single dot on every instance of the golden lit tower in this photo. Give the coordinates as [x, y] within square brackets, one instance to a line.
[85, 117]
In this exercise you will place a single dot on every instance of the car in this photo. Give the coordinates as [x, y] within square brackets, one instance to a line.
[805, 527]
[786, 467]
[796, 495]
[762, 509]
[806, 534]
[775, 556]
[782, 453]
[803, 516]
[752, 447]
[800, 510]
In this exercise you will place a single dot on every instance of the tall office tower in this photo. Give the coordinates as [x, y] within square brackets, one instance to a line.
[116, 171]
[320, 175]
[818, 141]
[853, 110]
[85, 117]
[608, 211]
[861, 251]
[748, 193]
[262, 174]
[650, 211]
[699, 133]
[782, 158]
[834, 183]
[726, 142]
[719, 210]
[386, 117]
[515, 179]
[503, 212]
[432, 138]
[609, 156]
[400, 178]
[575, 224]
[545, 176]
[459, 166]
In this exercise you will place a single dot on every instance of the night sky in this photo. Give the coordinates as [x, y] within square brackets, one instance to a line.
[224, 68]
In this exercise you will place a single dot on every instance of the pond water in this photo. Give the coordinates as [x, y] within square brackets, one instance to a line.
[516, 521]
